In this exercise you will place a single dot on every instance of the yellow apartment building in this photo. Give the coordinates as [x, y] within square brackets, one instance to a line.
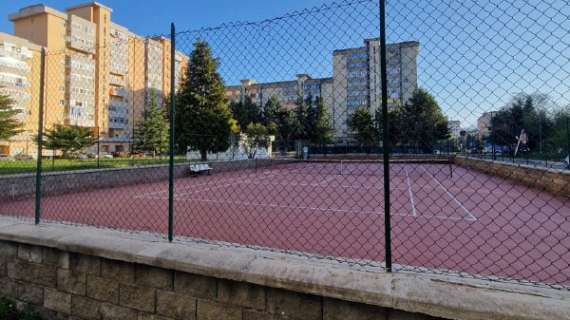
[19, 79]
[99, 74]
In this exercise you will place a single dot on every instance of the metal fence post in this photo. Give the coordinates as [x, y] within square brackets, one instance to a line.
[172, 123]
[568, 138]
[385, 134]
[38, 202]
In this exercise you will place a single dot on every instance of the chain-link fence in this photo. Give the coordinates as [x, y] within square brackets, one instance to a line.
[441, 148]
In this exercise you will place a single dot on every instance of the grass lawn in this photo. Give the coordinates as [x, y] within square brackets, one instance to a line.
[29, 166]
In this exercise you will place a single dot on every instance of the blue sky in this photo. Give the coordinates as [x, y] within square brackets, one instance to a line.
[154, 16]
[474, 56]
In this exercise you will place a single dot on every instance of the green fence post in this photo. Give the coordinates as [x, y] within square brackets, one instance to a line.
[386, 142]
[38, 203]
[172, 123]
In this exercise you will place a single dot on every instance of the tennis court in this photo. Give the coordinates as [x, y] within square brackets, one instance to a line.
[444, 217]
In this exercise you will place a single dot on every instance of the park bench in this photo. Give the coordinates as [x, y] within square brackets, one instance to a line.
[199, 168]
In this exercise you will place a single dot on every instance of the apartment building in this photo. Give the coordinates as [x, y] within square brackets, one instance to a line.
[356, 82]
[19, 79]
[357, 79]
[99, 74]
[287, 92]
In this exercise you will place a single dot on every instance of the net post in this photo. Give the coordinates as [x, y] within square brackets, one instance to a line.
[385, 137]
[38, 199]
[172, 132]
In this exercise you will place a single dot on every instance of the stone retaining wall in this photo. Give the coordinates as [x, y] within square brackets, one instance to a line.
[67, 272]
[554, 181]
[60, 285]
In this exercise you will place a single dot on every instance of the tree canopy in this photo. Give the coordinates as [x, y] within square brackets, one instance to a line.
[421, 122]
[361, 122]
[203, 118]
[9, 125]
[68, 139]
[257, 136]
[152, 133]
[245, 112]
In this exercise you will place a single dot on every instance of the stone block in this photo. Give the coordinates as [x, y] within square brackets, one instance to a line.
[114, 312]
[51, 256]
[8, 288]
[8, 250]
[122, 272]
[258, 315]
[86, 264]
[85, 308]
[30, 253]
[30, 293]
[208, 310]
[153, 277]
[175, 305]
[340, 310]
[294, 305]
[71, 282]
[142, 299]
[195, 285]
[401, 315]
[242, 294]
[39, 274]
[148, 316]
[57, 301]
[102, 289]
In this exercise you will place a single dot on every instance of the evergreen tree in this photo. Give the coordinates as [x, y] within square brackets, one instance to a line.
[203, 118]
[245, 112]
[68, 139]
[300, 124]
[361, 123]
[270, 115]
[422, 122]
[257, 137]
[9, 126]
[321, 128]
[152, 133]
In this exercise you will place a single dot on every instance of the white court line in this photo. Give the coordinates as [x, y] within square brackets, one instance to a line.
[309, 208]
[187, 187]
[473, 218]
[410, 193]
[243, 203]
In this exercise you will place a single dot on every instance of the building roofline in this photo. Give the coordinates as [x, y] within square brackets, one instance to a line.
[34, 10]
[404, 43]
[89, 4]
[261, 84]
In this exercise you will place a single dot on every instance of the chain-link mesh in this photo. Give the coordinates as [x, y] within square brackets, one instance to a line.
[279, 136]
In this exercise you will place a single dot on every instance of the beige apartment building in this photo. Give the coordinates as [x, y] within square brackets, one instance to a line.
[355, 83]
[19, 79]
[287, 92]
[99, 74]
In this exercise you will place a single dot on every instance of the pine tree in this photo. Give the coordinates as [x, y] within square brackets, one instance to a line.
[321, 131]
[245, 112]
[422, 121]
[152, 133]
[203, 118]
[9, 126]
[361, 123]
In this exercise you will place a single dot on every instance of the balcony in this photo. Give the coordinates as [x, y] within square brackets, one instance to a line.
[118, 92]
[117, 80]
[13, 81]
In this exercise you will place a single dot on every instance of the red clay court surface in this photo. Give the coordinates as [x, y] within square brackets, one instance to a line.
[469, 222]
